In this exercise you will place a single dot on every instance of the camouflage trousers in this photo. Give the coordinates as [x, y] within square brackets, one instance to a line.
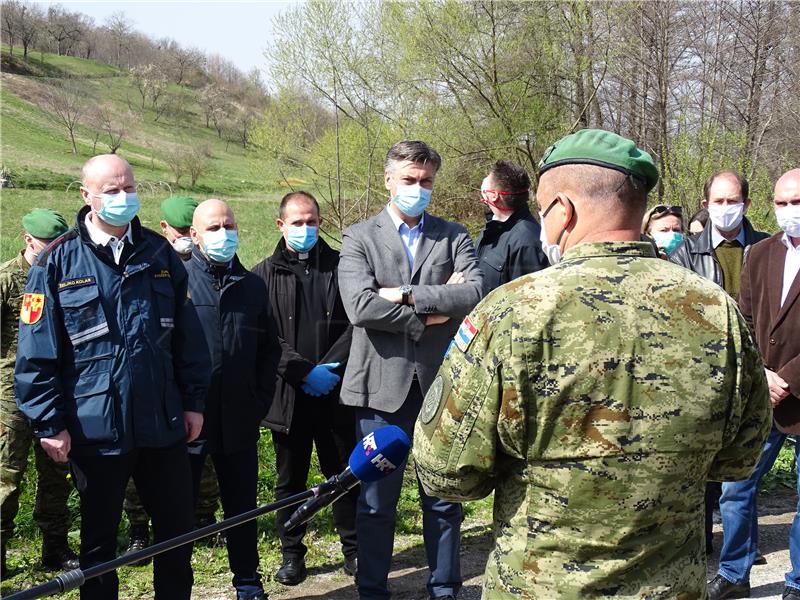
[52, 487]
[207, 501]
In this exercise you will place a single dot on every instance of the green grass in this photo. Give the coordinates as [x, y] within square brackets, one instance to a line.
[46, 64]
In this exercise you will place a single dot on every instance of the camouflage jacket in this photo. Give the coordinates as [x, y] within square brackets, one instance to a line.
[13, 275]
[596, 398]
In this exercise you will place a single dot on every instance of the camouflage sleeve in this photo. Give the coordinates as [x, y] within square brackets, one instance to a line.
[749, 418]
[471, 420]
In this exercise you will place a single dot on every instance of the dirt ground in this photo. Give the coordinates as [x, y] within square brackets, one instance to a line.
[409, 575]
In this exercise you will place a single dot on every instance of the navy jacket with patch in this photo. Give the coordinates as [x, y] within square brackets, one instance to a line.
[117, 354]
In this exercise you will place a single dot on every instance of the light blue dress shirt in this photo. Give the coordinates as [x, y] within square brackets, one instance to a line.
[410, 236]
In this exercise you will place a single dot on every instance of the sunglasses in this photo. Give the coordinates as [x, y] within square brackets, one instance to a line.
[662, 209]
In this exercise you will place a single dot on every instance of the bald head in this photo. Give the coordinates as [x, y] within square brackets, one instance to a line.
[104, 166]
[105, 174]
[211, 211]
[210, 217]
[787, 188]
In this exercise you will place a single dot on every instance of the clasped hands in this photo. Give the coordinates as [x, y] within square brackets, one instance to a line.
[778, 387]
[395, 295]
[321, 380]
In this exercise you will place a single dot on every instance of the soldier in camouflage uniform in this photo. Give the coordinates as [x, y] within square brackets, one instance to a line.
[596, 398]
[16, 436]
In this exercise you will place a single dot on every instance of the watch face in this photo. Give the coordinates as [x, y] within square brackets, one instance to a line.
[405, 289]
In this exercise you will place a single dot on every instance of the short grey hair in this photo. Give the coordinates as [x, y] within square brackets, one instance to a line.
[414, 151]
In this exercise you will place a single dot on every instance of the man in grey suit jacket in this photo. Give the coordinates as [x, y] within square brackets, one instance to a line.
[407, 280]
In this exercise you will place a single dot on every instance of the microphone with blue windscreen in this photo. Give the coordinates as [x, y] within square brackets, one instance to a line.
[377, 455]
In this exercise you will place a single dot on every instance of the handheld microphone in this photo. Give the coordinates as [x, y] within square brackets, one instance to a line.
[377, 455]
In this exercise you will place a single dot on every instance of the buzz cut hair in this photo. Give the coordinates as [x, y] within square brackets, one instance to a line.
[411, 150]
[294, 196]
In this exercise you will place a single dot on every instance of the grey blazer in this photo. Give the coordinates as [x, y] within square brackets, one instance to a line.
[390, 341]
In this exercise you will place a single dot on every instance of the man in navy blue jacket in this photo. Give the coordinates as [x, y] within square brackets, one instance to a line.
[234, 311]
[112, 372]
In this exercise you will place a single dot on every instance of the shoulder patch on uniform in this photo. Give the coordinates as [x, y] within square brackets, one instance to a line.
[80, 281]
[162, 274]
[432, 400]
[32, 308]
[465, 334]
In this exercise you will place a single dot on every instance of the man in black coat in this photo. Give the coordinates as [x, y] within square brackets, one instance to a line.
[303, 288]
[233, 309]
[509, 246]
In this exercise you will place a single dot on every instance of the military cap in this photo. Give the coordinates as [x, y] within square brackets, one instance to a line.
[44, 223]
[603, 149]
[178, 210]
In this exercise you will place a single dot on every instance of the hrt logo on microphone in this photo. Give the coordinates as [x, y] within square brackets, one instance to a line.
[369, 443]
[383, 464]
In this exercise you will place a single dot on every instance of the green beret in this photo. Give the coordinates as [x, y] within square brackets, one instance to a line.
[44, 223]
[603, 149]
[177, 211]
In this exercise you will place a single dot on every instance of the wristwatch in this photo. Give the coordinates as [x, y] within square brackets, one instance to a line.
[406, 291]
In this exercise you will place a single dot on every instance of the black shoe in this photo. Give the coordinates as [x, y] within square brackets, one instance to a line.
[720, 588]
[58, 556]
[292, 571]
[790, 593]
[761, 560]
[351, 566]
[138, 539]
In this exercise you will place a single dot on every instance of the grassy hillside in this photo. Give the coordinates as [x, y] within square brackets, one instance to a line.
[37, 149]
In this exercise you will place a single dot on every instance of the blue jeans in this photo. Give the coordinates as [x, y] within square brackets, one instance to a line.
[740, 520]
[377, 512]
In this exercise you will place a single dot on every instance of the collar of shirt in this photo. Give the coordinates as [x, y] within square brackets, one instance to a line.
[101, 238]
[399, 223]
[791, 266]
[717, 239]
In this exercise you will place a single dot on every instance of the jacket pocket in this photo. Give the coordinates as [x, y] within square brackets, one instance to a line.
[94, 419]
[84, 318]
[164, 298]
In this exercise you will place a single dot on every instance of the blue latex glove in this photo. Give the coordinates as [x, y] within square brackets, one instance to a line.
[320, 381]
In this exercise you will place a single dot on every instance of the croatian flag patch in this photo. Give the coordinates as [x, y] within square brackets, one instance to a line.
[465, 334]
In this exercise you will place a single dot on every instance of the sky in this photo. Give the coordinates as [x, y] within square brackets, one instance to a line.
[237, 30]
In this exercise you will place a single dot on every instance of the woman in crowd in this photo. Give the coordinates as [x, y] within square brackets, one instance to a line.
[664, 224]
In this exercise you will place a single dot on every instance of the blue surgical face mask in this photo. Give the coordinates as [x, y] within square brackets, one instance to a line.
[412, 200]
[118, 209]
[301, 239]
[221, 245]
[667, 240]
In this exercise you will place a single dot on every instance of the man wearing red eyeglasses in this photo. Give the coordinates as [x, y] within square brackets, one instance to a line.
[508, 247]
